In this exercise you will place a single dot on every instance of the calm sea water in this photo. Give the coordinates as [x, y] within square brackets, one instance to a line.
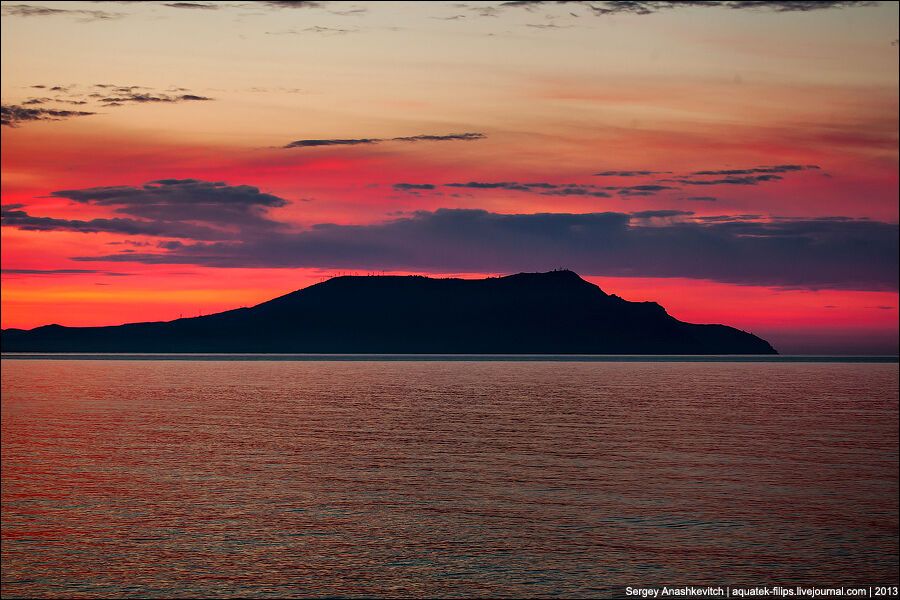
[444, 478]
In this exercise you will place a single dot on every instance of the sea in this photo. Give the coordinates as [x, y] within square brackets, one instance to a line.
[177, 476]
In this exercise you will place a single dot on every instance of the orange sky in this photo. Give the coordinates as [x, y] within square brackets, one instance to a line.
[756, 128]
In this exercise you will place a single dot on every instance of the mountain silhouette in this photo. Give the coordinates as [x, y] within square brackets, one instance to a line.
[530, 313]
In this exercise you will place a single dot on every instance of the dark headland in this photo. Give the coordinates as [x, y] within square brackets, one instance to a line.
[529, 313]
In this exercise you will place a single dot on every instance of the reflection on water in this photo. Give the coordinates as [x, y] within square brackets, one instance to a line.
[183, 478]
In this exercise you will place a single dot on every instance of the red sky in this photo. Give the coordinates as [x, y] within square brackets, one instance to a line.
[736, 166]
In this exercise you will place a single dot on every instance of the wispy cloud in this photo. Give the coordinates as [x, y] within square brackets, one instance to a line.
[193, 5]
[62, 272]
[27, 10]
[293, 4]
[652, 7]
[363, 141]
[13, 115]
[316, 29]
[145, 98]
[103, 95]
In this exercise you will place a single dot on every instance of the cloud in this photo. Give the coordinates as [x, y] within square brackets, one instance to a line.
[652, 7]
[747, 180]
[179, 208]
[62, 272]
[542, 188]
[629, 173]
[562, 189]
[661, 214]
[332, 142]
[360, 141]
[112, 95]
[293, 4]
[145, 98]
[547, 26]
[644, 190]
[814, 253]
[192, 5]
[348, 12]
[465, 137]
[405, 187]
[13, 115]
[788, 6]
[27, 10]
[701, 198]
[749, 176]
[124, 226]
[313, 29]
[745, 176]
[576, 191]
[754, 170]
[220, 225]
[213, 204]
[501, 185]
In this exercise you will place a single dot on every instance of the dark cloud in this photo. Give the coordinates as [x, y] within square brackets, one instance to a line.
[745, 180]
[145, 98]
[212, 204]
[293, 4]
[563, 189]
[333, 142]
[651, 7]
[576, 191]
[360, 141]
[748, 176]
[112, 96]
[27, 10]
[62, 272]
[13, 115]
[178, 208]
[661, 214]
[788, 6]
[542, 188]
[405, 187]
[22, 220]
[193, 5]
[854, 254]
[728, 218]
[220, 225]
[644, 190]
[755, 170]
[629, 173]
[701, 198]
[465, 137]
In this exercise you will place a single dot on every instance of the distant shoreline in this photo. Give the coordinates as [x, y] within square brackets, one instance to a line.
[275, 357]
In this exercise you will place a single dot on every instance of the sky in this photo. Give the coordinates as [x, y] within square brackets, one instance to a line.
[735, 161]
